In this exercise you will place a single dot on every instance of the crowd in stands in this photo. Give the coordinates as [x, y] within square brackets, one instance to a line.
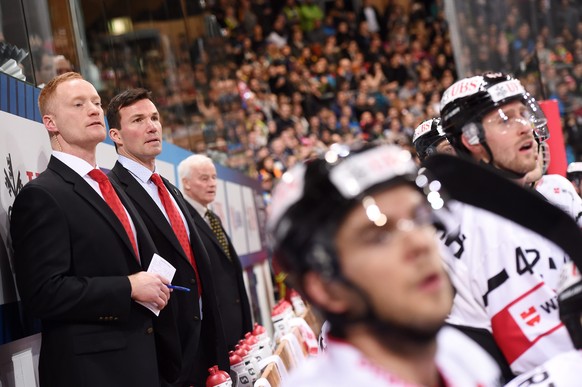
[284, 80]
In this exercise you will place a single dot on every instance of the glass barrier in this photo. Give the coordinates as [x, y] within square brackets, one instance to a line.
[15, 51]
[538, 41]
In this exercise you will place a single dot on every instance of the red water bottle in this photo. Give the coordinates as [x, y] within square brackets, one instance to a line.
[218, 378]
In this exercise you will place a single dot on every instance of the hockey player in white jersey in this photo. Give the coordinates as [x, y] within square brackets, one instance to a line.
[562, 370]
[356, 237]
[505, 275]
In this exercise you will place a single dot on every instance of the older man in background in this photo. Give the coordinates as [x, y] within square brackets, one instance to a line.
[198, 176]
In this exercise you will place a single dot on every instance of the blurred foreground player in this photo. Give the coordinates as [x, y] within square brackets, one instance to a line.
[355, 236]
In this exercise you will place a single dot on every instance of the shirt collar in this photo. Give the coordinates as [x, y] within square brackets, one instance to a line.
[77, 164]
[200, 209]
[139, 171]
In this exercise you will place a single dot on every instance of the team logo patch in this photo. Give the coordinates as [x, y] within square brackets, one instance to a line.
[526, 320]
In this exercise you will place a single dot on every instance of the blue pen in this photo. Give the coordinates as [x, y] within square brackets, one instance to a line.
[178, 288]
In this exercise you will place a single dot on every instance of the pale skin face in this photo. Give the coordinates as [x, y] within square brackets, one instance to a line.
[140, 134]
[75, 119]
[200, 184]
[399, 269]
[510, 138]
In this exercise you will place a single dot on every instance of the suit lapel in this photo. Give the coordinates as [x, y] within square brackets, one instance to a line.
[145, 243]
[149, 208]
[85, 191]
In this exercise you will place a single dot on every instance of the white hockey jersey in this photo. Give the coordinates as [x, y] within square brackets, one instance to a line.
[559, 191]
[460, 361]
[560, 371]
[505, 278]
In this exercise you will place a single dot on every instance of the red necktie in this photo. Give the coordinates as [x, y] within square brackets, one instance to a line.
[177, 224]
[112, 199]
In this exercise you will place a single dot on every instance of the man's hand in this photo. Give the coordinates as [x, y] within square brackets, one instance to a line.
[148, 287]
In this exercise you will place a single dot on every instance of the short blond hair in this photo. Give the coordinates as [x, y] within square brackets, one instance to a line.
[46, 94]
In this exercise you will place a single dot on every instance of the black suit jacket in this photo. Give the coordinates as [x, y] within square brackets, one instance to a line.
[203, 342]
[72, 258]
[228, 278]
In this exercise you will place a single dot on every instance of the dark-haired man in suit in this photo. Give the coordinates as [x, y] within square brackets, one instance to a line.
[198, 176]
[136, 130]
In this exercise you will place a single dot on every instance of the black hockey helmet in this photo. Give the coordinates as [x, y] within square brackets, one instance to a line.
[310, 201]
[427, 136]
[465, 103]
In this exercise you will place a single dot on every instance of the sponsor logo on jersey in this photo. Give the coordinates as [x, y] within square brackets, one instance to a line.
[526, 320]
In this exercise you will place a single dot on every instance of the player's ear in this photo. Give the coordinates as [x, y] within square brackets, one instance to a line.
[328, 295]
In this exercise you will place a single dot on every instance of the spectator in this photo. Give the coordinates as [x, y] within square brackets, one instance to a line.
[291, 12]
[371, 15]
[44, 67]
[62, 65]
[278, 36]
[309, 12]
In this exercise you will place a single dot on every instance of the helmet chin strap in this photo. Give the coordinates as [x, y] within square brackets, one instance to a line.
[396, 336]
[508, 173]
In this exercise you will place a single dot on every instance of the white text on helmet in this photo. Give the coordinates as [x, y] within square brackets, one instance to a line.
[461, 89]
[422, 129]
